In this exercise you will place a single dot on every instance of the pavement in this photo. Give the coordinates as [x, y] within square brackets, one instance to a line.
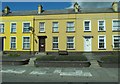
[30, 73]
[58, 74]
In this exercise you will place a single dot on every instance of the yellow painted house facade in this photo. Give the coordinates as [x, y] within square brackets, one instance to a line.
[72, 30]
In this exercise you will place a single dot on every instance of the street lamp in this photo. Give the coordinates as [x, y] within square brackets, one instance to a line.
[32, 30]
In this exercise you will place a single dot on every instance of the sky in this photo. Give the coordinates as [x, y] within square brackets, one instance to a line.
[14, 6]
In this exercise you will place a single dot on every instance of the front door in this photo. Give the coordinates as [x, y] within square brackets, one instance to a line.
[1, 43]
[42, 44]
[87, 44]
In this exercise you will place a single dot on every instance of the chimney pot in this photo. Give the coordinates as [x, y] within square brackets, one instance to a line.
[115, 6]
[39, 9]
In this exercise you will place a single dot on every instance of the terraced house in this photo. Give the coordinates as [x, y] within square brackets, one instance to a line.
[73, 30]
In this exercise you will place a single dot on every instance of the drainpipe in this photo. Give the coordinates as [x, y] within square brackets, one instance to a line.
[33, 31]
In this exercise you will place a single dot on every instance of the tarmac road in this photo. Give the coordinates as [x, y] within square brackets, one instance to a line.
[52, 74]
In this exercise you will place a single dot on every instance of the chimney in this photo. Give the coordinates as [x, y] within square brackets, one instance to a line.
[7, 10]
[76, 7]
[39, 9]
[115, 6]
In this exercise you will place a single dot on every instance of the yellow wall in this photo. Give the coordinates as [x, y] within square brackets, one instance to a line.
[79, 30]
[19, 34]
[62, 19]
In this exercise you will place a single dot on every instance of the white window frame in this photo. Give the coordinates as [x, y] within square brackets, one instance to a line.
[113, 27]
[3, 28]
[113, 41]
[40, 28]
[55, 27]
[55, 42]
[13, 42]
[104, 41]
[103, 25]
[11, 27]
[70, 27]
[71, 42]
[89, 25]
[23, 43]
[23, 26]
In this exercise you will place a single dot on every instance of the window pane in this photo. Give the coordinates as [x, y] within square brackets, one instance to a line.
[70, 26]
[101, 42]
[70, 42]
[13, 42]
[13, 27]
[1, 28]
[55, 39]
[116, 41]
[55, 24]
[55, 45]
[26, 27]
[70, 39]
[87, 23]
[42, 26]
[116, 25]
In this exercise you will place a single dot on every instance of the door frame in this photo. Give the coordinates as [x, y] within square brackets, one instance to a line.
[90, 37]
[3, 42]
[43, 37]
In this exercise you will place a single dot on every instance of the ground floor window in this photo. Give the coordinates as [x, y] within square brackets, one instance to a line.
[26, 42]
[70, 42]
[102, 42]
[116, 42]
[13, 43]
[55, 42]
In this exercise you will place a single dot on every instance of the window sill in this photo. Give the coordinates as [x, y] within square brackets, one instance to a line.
[13, 32]
[26, 49]
[87, 31]
[1, 32]
[70, 49]
[70, 31]
[101, 49]
[102, 31]
[13, 49]
[26, 32]
[42, 32]
[116, 48]
[116, 30]
[55, 32]
[55, 49]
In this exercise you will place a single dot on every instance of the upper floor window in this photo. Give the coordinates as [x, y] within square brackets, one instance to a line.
[13, 43]
[26, 27]
[55, 42]
[26, 42]
[116, 42]
[87, 25]
[101, 25]
[42, 26]
[102, 42]
[70, 42]
[55, 26]
[70, 27]
[13, 27]
[1, 28]
[116, 25]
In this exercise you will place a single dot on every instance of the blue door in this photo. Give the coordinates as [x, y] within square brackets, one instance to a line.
[1, 43]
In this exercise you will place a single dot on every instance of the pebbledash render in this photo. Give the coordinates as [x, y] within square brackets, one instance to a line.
[50, 31]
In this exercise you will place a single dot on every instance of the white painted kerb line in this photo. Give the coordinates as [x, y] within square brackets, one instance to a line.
[76, 73]
[38, 72]
[12, 71]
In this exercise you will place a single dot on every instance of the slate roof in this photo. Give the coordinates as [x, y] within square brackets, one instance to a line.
[64, 11]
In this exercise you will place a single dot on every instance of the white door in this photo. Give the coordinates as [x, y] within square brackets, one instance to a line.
[87, 44]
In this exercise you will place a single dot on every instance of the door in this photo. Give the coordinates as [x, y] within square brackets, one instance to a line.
[42, 44]
[87, 44]
[1, 43]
